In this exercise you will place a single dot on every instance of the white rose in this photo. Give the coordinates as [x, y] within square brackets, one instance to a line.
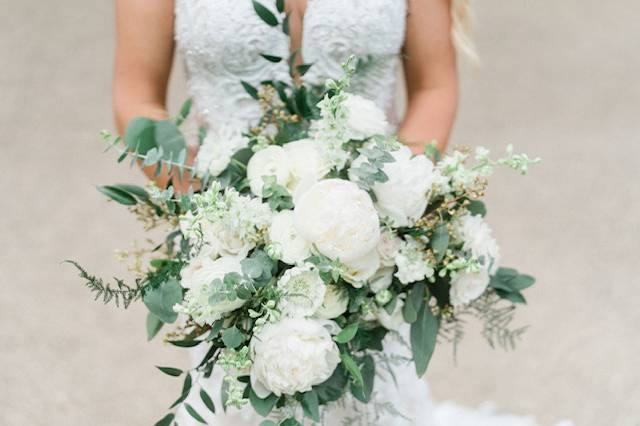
[336, 301]
[478, 239]
[292, 356]
[302, 291]
[221, 241]
[217, 148]
[365, 119]
[360, 270]
[394, 320]
[293, 248]
[381, 280]
[201, 284]
[271, 161]
[306, 165]
[388, 248]
[403, 197]
[339, 218]
[468, 286]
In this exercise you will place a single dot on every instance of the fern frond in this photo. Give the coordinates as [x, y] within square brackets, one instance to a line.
[123, 294]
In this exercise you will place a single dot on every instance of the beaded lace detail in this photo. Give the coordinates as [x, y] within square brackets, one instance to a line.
[221, 42]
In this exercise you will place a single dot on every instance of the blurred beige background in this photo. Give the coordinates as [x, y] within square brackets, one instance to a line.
[559, 79]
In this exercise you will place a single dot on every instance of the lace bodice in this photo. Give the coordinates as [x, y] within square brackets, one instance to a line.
[221, 42]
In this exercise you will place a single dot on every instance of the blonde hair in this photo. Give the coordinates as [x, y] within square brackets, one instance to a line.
[462, 26]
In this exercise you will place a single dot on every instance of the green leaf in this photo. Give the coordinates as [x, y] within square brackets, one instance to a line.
[303, 68]
[208, 402]
[414, 302]
[265, 14]
[333, 388]
[477, 207]
[368, 369]
[522, 282]
[252, 91]
[347, 333]
[280, 5]
[432, 152]
[184, 112]
[232, 337]
[285, 24]
[268, 423]
[310, 405]
[290, 422]
[174, 372]
[270, 58]
[166, 420]
[185, 343]
[170, 139]
[512, 296]
[139, 135]
[160, 300]
[186, 388]
[118, 195]
[262, 406]
[193, 413]
[352, 368]
[153, 326]
[440, 240]
[424, 333]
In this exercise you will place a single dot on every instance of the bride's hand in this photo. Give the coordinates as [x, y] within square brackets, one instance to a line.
[180, 182]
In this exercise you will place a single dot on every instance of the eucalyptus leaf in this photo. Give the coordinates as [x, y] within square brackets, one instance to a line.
[423, 334]
[477, 207]
[139, 135]
[154, 325]
[184, 111]
[440, 240]
[262, 406]
[170, 139]
[232, 337]
[161, 300]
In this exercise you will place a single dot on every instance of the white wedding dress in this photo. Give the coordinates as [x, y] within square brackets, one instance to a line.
[221, 42]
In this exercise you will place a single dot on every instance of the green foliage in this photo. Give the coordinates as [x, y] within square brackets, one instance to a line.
[232, 337]
[333, 388]
[371, 171]
[153, 324]
[160, 300]
[121, 295]
[415, 301]
[207, 401]
[431, 151]
[424, 334]
[170, 371]
[368, 370]
[262, 406]
[193, 413]
[347, 334]
[310, 405]
[118, 195]
[352, 368]
[271, 58]
[278, 196]
[184, 112]
[166, 420]
[186, 388]
[440, 240]
[477, 207]
[156, 139]
[508, 284]
[265, 14]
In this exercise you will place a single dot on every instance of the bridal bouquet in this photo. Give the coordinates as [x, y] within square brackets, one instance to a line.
[312, 236]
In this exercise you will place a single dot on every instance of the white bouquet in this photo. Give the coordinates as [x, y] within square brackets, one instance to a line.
[313, 235]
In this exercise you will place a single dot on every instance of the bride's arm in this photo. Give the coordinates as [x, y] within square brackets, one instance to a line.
[431, 75]
[144, 55]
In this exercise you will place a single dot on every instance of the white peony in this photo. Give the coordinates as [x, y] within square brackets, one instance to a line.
[339, 218]
[302, 291]
[292, 356]
[360, 270]
[201, 285]
[477, 238]
[404, 196]
[365, 119]
[468, 286]
[306, 166]
[271, 161]
[412, 262]
[394, 320]
[381, 280]
[293, 248]
[336, 301]
[217, 148]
